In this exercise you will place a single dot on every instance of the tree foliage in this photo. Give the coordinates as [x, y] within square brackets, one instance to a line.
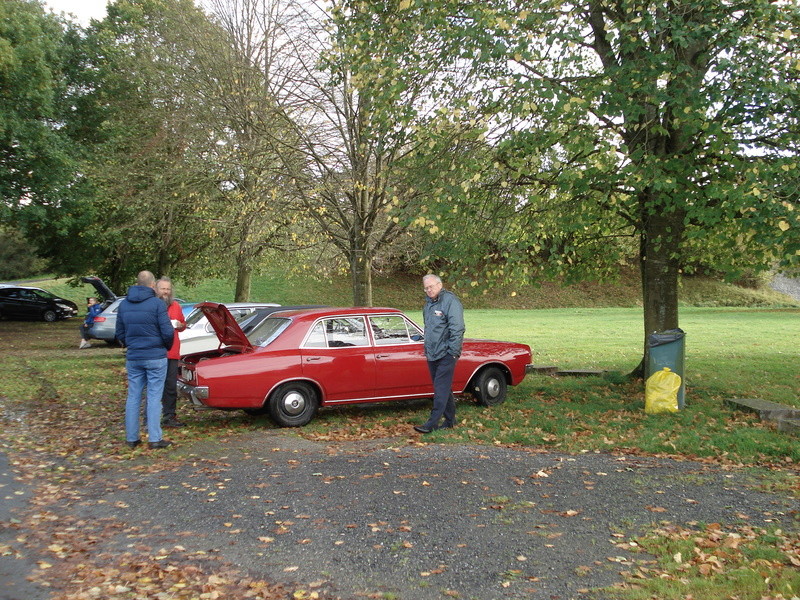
[34, 155]
[39, 180]
[673, 124]
[154, 189]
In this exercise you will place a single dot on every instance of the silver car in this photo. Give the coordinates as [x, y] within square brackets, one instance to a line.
[197, 324]
[210, 341]
[104, 326]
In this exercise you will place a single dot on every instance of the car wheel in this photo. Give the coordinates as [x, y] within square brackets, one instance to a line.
[490, 387]
[293, 404]
[49, 315]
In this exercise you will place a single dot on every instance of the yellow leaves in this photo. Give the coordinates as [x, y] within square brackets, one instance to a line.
[405, 4]
[783, 225]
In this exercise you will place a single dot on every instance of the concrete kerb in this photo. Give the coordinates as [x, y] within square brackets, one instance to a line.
[786, 418]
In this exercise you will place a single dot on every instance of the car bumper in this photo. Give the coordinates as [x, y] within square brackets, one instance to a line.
[103, 332]
[66, 312]
[195, 393]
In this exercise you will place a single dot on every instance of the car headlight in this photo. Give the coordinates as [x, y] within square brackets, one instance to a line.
[63, 306]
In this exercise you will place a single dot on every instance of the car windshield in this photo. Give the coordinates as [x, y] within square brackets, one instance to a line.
[46, 295]
[194, 317]
[267, 331]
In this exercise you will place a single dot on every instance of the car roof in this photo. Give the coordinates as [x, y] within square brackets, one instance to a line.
[244, 304]
[22, 287]
[316, 313]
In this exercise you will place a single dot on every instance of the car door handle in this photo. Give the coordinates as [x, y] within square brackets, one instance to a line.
[382, 356]
[310, 358]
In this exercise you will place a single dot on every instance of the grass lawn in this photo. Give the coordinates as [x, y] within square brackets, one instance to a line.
[744, 353]
[730, 353]
[50, 390]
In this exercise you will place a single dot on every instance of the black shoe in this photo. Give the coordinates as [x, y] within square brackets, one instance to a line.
[423, 428]
[159, 444]
[133, 444]
[447, 426]
[172, 422]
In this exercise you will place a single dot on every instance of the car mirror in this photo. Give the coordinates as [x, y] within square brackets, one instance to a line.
[417, 337]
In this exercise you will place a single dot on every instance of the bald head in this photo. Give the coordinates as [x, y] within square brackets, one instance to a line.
[146, 278]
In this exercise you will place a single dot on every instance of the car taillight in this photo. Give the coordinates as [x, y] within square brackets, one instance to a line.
[99, 319]
[187, 374]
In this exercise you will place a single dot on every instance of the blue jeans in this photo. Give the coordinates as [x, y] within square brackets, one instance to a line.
[143, 374]
[444, 403]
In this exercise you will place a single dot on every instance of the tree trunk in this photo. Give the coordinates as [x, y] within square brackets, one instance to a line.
[361, 278]
[244, 273]
[659, 252]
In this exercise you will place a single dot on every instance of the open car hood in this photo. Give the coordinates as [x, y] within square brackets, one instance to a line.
[225, 326]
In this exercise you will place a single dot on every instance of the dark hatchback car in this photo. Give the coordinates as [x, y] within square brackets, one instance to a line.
[22, 302]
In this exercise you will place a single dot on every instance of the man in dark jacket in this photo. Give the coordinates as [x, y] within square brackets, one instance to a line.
[144, 329]
[443, 317]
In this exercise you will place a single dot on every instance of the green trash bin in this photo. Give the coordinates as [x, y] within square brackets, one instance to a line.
[668, 349]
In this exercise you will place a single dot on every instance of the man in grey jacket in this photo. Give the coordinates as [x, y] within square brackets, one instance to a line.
[443, 317]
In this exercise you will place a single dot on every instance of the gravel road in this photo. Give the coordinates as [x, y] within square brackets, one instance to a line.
[391, 519]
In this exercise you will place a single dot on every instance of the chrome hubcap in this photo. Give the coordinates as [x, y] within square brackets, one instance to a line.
[294, 403]
[493, 387]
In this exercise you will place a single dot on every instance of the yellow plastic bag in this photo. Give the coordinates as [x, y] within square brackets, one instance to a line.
[661, 392]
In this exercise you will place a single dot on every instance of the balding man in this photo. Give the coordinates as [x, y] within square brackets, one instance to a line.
[145, 330]
[443, 317]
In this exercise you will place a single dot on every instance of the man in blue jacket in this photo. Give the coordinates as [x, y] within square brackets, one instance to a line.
[145, 330]
[443, 317]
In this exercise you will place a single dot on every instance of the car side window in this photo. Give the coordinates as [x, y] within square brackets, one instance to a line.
[389, 329]
[316, 339]
[341, 332]
[346, 331]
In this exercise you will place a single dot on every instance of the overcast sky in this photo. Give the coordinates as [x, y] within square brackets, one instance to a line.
[82, 9]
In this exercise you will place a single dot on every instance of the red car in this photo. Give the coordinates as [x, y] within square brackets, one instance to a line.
[299, 360]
